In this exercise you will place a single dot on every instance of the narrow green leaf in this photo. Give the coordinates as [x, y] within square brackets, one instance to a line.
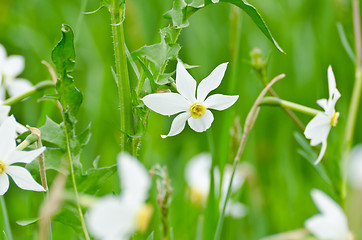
[150, 237]
[26, 222]
[345, 43]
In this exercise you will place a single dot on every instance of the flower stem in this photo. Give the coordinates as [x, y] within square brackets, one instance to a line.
[40, 86]
[273, 101]
[32, 138]
[124, 90]
[6, 222]
[249, 123]
[356, 96]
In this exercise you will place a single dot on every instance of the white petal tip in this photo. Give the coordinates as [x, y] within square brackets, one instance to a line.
[164, 136]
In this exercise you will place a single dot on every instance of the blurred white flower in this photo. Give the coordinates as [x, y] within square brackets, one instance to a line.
[4, 114]
[9, 156]
[331, 223]
[118, 217]
[193, 110]
[355, 167]
[318, 128]
[10, 68]
[197, 175]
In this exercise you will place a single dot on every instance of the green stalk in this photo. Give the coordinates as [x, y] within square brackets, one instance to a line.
[356, 97]
[273, 101]
[40, 86]
[6, 222]
[32, 138]
[124, 90]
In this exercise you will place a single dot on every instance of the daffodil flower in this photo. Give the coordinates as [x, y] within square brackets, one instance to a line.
[194, 110]
[10, 68]
[118, 217]
[4, 114]
[197, 175]
[9, 156]
[318, 128]
[331, 223]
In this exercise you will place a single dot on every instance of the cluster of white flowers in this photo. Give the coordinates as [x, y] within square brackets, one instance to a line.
[197, 175]
[10, 156]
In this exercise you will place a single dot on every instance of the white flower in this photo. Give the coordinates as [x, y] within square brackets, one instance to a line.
[197, 175]
[118, 217]
[331, 223]
[9, 156]
[193, 110]
[318, 128]
[355, 167]
[4, 114]
[10, 68]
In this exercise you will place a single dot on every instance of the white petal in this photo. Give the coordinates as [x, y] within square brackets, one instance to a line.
[331, 223]
[111, 218]
[220, 102]
[4, 113]
[238, 180]
[13, 66]
[355, 167]
[318, 129]
[4, 183]
[20, 128]
[203, 123]
[323, 103]
[23, 178]
[18, 87]
[2, 91]
[178, 124]
[2, 55]
[7, 137]
[23, 156]
[166, 103]
[185, 83]
[211, 82]
[331, 81]
[322, 152]
[134, 177]
[197, 174]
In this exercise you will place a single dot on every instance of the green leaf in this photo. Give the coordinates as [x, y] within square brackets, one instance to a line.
[26, 222]
[53, 132]
[347, 47]
[94, 179]
[53, 158]
[69, 216]
[150, 237]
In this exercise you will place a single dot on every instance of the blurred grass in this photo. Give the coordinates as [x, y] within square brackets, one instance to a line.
[278, 196]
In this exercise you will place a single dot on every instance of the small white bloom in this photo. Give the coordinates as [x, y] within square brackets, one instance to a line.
[194, 110]
[318, 128]
[197, 175]
[355, 167]
[118, 217]
[10, 68]
[331, 223]
[9, 156]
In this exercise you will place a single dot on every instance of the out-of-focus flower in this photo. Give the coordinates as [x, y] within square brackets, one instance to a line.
[193, 110]
[197, 175]
[331, 223]
[9, 156]
[4, 114]
[318, 128]
[10, 68]
[118, 217]
[355, 167]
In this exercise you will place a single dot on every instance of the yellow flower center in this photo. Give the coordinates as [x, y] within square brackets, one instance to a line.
[197, 110]
[334, 119]
[197, 197]
[2, 167]
[144, 217]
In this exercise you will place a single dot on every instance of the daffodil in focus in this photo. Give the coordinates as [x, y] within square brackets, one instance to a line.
[10, 68]
[10, 156]
[331, 223]
[193, 105]
[318, 128]
[197, 175]
[118, 217]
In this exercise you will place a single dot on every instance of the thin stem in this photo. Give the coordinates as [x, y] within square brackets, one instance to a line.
[124, 90]
[32, 138]
[249, 123]
[40, 86]
[6, 222]
[273, 101]
[356, 96]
